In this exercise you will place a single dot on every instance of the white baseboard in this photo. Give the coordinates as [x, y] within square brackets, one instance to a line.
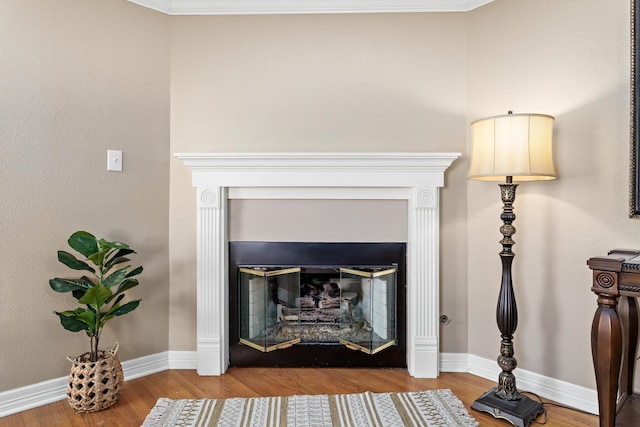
[145, 365]
[454, 362]
[31, 396]
[559, 391]
[183, 360]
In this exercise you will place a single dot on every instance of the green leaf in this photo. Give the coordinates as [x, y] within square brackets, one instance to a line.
[117, 302]
[83, 315]
[108, 264]
[126, 285]
[128, 307]
[66, 285]
[124, 252]
[96, 297]
[72, 262]
[112, 245]
[116, 277]
[98, 257]
[87, 316]
[83, 242]
[71, 323]
[116, 255]
[79, 293]
[88, 283]
[135, 272]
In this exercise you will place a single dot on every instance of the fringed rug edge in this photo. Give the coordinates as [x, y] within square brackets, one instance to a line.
[157, 412]
[456, 405]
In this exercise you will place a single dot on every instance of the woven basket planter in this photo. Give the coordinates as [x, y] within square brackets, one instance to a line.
[94, 386]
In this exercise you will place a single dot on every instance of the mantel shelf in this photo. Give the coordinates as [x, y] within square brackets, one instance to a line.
[265, 7]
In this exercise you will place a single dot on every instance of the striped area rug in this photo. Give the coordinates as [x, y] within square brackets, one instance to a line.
[423, 408]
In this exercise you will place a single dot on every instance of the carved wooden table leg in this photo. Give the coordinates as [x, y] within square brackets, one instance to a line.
[628, 313]
[606, 349]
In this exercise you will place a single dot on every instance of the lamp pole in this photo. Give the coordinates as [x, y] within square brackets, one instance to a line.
[507, 310]
[504, 400]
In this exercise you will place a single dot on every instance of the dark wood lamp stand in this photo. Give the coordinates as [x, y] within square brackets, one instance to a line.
[504, 401]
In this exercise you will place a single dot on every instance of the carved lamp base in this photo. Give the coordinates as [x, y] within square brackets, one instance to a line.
[519, 412]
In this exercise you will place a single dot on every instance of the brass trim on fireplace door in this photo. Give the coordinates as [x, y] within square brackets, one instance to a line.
[285, 271]
[352, 346]
[383, 272]
[279, 346]
[264, 273]
[251, 271]
[368, 273]
[355, 272]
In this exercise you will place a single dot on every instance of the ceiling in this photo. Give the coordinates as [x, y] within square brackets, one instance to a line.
[259, 7]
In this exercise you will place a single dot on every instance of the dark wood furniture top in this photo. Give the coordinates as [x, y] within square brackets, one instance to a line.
[614, 335]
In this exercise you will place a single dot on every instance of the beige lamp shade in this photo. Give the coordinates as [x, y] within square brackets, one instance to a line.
[516, 145]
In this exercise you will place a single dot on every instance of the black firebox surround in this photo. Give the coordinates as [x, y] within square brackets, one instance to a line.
[316, 254]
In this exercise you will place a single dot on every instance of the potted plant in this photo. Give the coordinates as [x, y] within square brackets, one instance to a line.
[96, 376]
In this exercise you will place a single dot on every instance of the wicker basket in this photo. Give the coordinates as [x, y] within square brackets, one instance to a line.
[94, 386]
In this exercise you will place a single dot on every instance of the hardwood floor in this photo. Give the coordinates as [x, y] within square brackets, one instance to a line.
[138, 396]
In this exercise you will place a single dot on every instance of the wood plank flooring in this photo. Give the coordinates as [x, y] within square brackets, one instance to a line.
[138, 396]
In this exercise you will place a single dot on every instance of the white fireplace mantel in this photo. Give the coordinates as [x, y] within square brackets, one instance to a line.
[414, 177]
[261, 7]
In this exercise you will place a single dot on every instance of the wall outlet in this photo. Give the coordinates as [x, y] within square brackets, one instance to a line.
[114, 160]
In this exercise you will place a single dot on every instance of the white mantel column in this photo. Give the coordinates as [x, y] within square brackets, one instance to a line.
[423, 297]
[212, 295]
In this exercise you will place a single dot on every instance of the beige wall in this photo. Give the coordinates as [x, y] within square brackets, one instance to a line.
[78, 78]
[378, 82]
[318, 220]
[569, 59]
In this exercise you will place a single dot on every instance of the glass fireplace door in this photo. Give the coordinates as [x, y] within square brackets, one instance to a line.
[263, 292]
[370, 323]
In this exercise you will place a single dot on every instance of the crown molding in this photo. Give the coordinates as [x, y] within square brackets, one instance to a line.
[265, 7]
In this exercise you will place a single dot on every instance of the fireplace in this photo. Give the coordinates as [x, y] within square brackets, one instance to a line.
[414, 177]
[308, 304]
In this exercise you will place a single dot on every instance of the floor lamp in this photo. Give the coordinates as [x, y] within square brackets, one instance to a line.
[511, 147]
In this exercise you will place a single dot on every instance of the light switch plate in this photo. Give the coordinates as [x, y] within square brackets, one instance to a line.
[114, 160]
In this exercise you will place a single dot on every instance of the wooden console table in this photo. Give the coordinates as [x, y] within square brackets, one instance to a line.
[614, 335]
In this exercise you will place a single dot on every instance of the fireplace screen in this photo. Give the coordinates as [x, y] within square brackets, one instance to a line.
[281, 307]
